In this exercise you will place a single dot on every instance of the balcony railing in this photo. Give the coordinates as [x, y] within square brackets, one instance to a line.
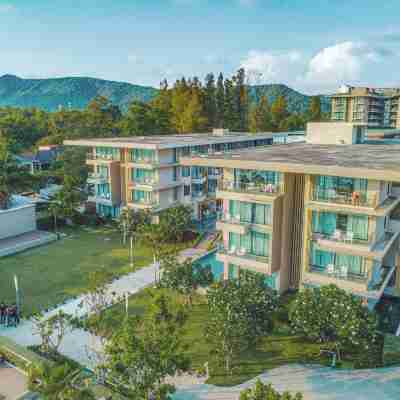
[348, 198]
[236, 219]
[97, 178]
[146, 202]
[340, 237]
[249, 187]
[242, 253]
[338, 272]
[102, 157]
[105, 196]
[144, 181]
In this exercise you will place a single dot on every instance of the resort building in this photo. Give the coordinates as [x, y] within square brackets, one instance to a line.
[313, 213]
[144, 172]
[362, 105]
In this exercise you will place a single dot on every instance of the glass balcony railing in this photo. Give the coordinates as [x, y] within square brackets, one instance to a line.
[338, 272]
[96, 178]
[340, 237]
[242, 253]
[105, 196]
[343, 197]
[102, 157]
[144, 201]
[143, 181]
[250, 187]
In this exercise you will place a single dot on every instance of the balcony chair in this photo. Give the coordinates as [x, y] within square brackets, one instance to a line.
[232, 250]
[343, 271]
[330, 269]
[349, 237]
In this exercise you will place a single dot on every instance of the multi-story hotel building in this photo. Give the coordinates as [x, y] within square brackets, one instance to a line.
[145, 172]
[314, 213]
[372, 107]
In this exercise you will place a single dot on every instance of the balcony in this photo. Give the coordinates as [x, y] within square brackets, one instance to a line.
[103, 198]
[150, 163]
[92, 158]
[353, 283]
[245, 260]
[233, 223]
[344, 242]
[147, 182]
[356, 199]
[97, 179]
[248, 190]
[199, 179]
[143, 203]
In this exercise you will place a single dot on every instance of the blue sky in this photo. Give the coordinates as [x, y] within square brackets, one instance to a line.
[311, 45]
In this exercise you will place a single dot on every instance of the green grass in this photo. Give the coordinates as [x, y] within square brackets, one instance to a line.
[50, 274]
[278, 349]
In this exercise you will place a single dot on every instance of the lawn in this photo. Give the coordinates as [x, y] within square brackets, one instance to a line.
[50, 274]
[278, 349]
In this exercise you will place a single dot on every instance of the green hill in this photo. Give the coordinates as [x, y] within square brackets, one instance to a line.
[76, 93]
[297, 102]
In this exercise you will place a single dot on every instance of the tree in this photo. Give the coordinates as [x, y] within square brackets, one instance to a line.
[278, 111]
[220, 102]
[210, 105]
[176, 221]
[262, 391]
[315, 109]
[241, 101]
[240, 312]
[230, 116]
[332, 316]
[294, 122]
[57, 382]
[51, 330]
[260, 116]
[138, 363]
[185, 277]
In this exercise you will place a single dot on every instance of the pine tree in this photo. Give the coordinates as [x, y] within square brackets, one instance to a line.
[229, 105]
[279, 112]
[220, 102]
[241, 102]
[210, 105]
[260, 116]
[315, 109]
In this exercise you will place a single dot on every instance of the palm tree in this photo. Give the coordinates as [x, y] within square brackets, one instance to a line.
[57, 382]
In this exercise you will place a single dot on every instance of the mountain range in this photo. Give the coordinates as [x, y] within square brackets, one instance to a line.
[76, 92]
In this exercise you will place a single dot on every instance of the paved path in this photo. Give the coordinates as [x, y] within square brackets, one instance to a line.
[77, 341]
[316, 383]
[12, 382]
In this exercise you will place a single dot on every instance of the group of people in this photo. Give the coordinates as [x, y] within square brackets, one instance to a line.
[9, 314]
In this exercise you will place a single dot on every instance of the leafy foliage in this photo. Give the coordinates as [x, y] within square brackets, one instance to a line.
[331, 315]
[240, 312]
[262, 391]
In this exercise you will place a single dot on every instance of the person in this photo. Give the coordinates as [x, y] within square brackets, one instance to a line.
[3, 309]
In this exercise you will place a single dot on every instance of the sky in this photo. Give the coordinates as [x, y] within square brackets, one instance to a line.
[313, 46]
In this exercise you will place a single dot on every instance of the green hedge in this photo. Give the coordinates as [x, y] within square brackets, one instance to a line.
[17, 355]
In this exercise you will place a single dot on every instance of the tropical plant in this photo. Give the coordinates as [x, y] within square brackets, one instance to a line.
[57, 382]
[144, 352]
[176, 221]
[184, 277]
[262, 391]
[332, 316]
[240, 313]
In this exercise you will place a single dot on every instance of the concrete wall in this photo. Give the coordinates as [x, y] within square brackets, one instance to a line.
[166, 156]
[18, 220]
[332, 133]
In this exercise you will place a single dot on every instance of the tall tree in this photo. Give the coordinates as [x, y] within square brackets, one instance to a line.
[230, 116]
[241, 101]
[220, 102]
[262, 391]
[260, 116]
[210, 105]
[279, 111]
[315, 109]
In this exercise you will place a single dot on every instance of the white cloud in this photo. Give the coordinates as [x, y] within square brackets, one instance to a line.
[346, 62]
[343, 62]
[264, 66]
[6, 7]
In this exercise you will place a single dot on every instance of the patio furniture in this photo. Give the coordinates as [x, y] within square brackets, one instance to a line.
[343, 271]
[227, 216]
[349, 237]
[330, 269]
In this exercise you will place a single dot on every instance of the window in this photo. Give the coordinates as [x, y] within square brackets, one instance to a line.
[251, 212]
[185, 172]
[186, 190]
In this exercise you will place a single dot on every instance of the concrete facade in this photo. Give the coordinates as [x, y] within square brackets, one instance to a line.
[146, 173]
[20, 218]
[329, 208]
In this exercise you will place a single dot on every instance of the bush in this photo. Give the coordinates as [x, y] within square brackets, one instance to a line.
[331, 315]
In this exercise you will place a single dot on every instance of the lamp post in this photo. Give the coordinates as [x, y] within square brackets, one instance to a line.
[131, 251]
[17, 294]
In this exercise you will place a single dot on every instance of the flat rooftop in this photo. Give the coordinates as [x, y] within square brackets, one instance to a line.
[171, 141]
[381, 162]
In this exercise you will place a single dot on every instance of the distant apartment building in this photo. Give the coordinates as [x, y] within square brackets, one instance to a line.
[369, 106]
[145, 172]
[314, 213]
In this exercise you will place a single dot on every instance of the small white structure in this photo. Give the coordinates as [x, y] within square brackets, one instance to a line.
[20, 218]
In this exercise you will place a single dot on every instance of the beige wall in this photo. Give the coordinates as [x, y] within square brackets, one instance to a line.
[331, 133]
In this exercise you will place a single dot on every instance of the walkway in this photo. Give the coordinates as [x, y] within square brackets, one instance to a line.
[316, 383]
